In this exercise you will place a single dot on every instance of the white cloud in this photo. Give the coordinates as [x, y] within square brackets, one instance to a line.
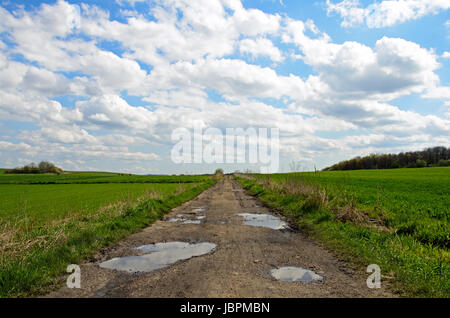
[385, 13]
[30, 107]
[441, 92]
[15, 75]
[8, 146]
[192, 50]
[114, 112]
[235, 78]
[38, 36]
[67, 135]
[260, 47]
[205, 28]
[131, 2]
[393, 68]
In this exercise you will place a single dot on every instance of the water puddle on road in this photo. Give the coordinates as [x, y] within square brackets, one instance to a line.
[264, 220]
[295, 274]
[161, 255]
[192, 222]
[199, 209]
[187, 219]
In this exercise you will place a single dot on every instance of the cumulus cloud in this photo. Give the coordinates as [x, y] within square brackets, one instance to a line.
[260, 47]
[205, 28]
[441, 92]
[385, 13]
[185, 65]
[393, 68]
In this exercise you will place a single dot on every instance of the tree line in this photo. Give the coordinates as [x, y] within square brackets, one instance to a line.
[32, 168]
[429, 157]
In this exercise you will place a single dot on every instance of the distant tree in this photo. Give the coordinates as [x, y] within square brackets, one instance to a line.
[436, 156]
[46, 166]
[421, 163]
[444, 163]
[32, 168]
[395, 164]
[219, 171]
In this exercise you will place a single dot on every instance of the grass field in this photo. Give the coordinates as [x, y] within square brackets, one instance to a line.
[49, 221]
[38, 204]
[94, 177]
[398, 219]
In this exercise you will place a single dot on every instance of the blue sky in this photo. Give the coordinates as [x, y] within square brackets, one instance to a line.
[101, 85]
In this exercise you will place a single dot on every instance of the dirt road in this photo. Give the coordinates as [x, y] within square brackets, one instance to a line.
[239, 266]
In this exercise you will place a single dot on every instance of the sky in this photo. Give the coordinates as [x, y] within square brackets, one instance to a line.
[101, 85]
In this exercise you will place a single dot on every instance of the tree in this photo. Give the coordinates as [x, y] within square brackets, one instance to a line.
[427, 157]
[32, 168]
[46, 167]
[421, 163]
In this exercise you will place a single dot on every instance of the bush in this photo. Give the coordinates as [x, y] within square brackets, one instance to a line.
[421, 163]
[444, 163]
[32, 168]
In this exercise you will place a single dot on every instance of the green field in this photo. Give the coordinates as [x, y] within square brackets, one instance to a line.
[396, 218]
[37, 204]
[50, 221]
[94, 177]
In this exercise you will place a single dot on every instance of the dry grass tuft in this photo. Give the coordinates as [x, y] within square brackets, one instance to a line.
[315, 198]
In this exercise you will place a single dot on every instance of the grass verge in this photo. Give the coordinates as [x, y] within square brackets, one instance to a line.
[412, 268]
[37, 272]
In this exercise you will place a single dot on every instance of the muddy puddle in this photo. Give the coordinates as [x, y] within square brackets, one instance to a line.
[264, 220]
[187, 219]
[295, 274]
[161, 255]
[199, 209]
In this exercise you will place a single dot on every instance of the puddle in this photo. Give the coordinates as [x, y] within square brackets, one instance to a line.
[187, 219]
[295, 274]
[199, 209]
[264, 220]
[192, 222]
[161, 255]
